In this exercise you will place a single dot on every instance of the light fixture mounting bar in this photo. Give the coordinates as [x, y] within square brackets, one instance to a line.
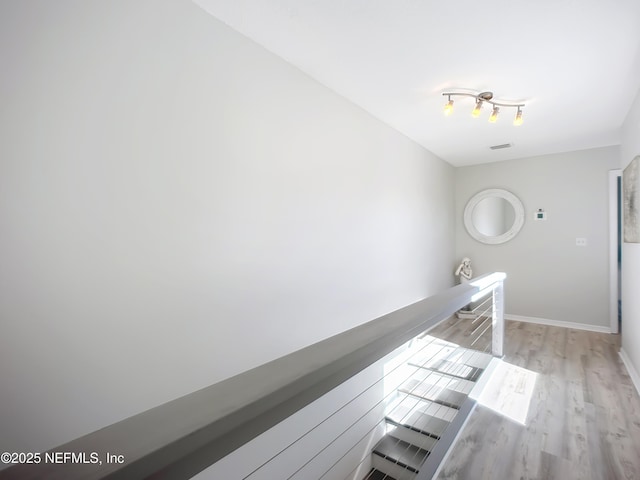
[485, 97]
[506, 104]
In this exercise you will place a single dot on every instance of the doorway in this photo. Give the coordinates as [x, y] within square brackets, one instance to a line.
[615, 250]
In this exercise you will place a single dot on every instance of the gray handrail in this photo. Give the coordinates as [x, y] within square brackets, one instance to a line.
[183, 437]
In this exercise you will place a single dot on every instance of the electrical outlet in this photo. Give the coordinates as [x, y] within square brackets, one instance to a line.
[581, 242]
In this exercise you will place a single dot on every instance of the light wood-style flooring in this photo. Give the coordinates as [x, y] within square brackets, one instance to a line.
[583, 419]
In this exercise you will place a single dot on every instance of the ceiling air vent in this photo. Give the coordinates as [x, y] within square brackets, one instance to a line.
[499, 147]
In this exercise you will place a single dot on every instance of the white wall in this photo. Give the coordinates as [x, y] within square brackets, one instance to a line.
[179, 205]
[549, 277]
[630, 148]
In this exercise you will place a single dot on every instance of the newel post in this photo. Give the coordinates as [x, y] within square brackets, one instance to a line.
[497, 340]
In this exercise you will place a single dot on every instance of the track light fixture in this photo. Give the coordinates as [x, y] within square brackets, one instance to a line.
[482, 98]
[518, 120]
[448, 108]
[476, 110]
[494, 114]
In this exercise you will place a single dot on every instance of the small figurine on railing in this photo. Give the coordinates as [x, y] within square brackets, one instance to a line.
[464, 271]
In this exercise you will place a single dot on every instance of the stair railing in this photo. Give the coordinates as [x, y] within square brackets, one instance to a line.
[495, 287]
[183, 437]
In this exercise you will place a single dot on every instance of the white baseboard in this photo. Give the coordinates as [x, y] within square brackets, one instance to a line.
[558, 323]
[633, 373]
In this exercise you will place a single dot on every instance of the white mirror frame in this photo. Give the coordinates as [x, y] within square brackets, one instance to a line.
[518, 221]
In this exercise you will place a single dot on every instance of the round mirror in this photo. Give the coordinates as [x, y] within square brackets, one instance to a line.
[494, 216]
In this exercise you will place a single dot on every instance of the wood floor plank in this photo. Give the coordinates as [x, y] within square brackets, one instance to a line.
[583, 420]
[575, 445]
[598, 461]
[555, 467]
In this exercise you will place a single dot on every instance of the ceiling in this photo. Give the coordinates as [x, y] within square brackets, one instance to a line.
[574, 63]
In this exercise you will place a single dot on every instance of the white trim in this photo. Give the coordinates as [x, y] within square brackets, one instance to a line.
[455, 440]
[613, 249]
[481, 383]
[558, 323]
[633, 373]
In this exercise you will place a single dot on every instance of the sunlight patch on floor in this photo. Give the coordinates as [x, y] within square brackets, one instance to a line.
[509, 391]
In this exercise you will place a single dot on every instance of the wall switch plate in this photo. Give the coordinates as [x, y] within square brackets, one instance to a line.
[581, 242]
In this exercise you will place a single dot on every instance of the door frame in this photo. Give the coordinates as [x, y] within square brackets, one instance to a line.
[614, 276]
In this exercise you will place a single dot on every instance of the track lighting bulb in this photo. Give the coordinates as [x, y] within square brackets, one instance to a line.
[518, 120]
[494, 114]
[476, 110]
[448, 108]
